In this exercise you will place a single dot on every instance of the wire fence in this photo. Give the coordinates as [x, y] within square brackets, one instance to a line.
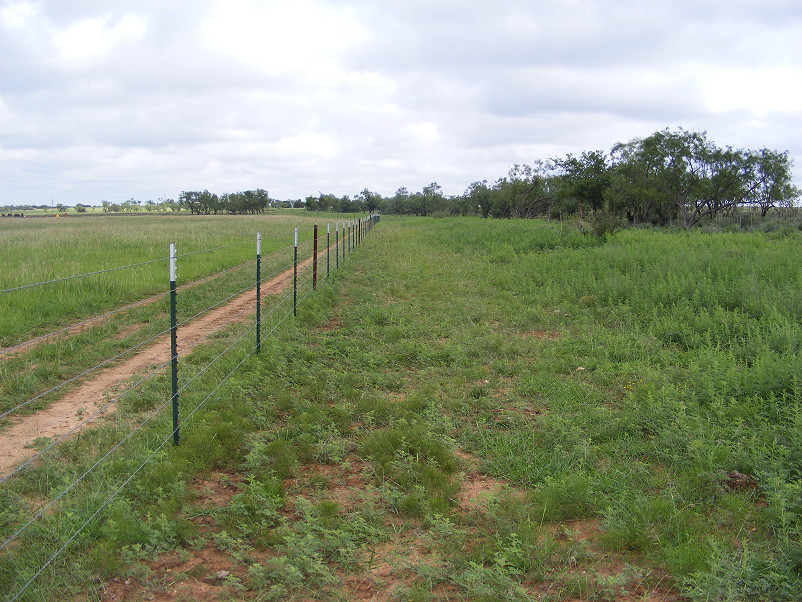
[284, 279]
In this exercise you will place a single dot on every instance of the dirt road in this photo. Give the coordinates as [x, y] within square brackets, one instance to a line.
[65, 414]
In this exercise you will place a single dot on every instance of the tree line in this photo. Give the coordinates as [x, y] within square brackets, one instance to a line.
[668, 177]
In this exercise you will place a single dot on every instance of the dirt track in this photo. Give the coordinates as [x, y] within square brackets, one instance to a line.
[64, 414]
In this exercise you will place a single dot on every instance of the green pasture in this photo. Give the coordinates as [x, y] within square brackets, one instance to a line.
[640, 386]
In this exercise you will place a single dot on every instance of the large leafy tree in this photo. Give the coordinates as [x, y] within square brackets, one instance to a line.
[585, 179]
[525, 192]
[771, 172]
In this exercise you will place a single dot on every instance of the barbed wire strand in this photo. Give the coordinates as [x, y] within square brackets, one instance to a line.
[102, 409]
[130, 477]
[135, 304]
[82, 374]
[119, 444]
[124, 267]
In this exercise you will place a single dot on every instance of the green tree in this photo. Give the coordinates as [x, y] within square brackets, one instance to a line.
[678, 174]
[399, 204]
[524, 193]
[585, 179]
[771, 171]
[478, 198]
[370, 200]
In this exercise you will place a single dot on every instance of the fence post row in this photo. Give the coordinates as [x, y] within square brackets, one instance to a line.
[173, 344]
[258, 292]
[355, 231]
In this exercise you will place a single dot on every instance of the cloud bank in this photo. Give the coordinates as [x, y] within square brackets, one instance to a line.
[108, 101]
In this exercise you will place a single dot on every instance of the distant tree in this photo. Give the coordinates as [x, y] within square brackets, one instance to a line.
[771, 172]
[478, 198]
[432, 198]
[200, 203]
[524, 193]
[584, 179]
[399, 203]
[370, 200]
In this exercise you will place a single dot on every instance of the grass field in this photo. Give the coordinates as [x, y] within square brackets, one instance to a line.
[40, 250]
[470, 409]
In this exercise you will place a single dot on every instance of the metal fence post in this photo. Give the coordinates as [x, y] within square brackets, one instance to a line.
[258, 292]
[328, 248]
[337, 245]
[295, 276]
[314, 261]
[173, 344]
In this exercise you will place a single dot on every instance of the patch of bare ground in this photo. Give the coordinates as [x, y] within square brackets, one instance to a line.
[640, 585]
[331, 324]
[477, 488]
[346, 483]
[68, 413]
[388, 567]
[540, 335]
[200, 575]
[608, 571]
[217, 489]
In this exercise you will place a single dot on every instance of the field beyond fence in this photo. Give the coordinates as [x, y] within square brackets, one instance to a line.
[463, 409]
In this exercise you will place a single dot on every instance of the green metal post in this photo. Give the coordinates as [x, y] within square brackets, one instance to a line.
[173, 344]
[295, 276]
[258, 292]
[314, 261]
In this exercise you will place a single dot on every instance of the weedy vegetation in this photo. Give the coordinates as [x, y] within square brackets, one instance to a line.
[468, 409]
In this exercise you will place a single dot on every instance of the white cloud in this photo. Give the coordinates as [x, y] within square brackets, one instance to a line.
[760, 92]
[283, 36]
[95, 38]
[16, 14]
[112, 100]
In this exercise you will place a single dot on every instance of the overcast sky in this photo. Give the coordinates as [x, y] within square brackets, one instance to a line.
[108, 100]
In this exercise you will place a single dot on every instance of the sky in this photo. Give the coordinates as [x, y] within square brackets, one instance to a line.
[114, 99]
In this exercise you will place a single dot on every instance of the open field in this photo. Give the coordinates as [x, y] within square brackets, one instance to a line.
[469, 409]
[40, 250]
